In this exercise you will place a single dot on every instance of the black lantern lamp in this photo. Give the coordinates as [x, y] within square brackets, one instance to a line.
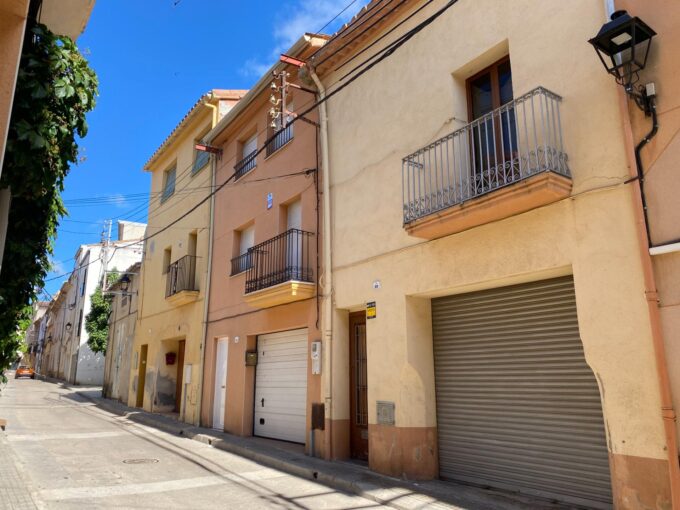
[124, 283]
[623, 47]
[68, 326]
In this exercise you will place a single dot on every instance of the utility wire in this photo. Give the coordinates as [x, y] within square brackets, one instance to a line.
[383, 54]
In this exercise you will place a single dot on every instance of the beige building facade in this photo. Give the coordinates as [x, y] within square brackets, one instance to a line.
[167, 355]
[490, 320]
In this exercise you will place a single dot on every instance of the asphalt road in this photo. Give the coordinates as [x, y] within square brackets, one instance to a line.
[60, 452]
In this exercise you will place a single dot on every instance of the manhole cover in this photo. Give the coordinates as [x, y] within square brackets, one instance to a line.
[140, 461]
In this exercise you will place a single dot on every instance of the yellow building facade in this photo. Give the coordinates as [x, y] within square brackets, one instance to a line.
[490, 323]
[167, 354]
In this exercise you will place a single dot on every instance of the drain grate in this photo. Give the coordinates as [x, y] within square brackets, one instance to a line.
[140, 461]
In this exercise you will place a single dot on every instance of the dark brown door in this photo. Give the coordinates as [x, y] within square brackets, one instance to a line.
[358, 386]
[141, 377]
[180, 376]
[494, 138]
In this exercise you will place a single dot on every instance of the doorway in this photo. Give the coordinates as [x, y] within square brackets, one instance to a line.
[180, 376]
[220, 393]
[358, 391]
[141, 377]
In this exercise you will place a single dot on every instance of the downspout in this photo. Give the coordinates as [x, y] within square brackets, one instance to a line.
[206, 298]
[327, 311]
[651, 294]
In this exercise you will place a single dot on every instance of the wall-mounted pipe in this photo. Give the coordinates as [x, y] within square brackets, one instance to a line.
[327, 310]
[652, 298]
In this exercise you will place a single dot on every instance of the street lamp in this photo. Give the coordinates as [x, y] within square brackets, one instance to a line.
[623, 47]
[68, 326]
[124, 283]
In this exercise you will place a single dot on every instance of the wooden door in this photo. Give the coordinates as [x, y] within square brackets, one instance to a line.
[141, 377]
[180, 376]
[358, 386]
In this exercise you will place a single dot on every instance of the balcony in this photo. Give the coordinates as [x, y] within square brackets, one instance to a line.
[180, 286]
[507, 162]
[245, 165]
[280, 270]
[240, 264]
[279, 139]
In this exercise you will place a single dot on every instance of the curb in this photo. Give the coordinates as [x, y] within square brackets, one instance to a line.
[378, 488]
[319, 471]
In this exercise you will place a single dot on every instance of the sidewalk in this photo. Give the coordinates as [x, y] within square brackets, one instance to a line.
[345, 476]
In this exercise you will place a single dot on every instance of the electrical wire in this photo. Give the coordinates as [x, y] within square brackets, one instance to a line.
[336, 16]
[376, 59]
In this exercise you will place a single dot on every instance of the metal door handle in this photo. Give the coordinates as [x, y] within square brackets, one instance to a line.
[262, 402]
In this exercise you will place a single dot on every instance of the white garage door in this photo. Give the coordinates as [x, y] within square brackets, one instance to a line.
[281, 385]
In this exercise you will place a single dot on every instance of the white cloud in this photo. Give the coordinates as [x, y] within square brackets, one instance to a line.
[119, 201]
[57, 266]
[308, 16]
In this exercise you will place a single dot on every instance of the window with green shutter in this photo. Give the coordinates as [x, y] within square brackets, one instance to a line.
[168, 183]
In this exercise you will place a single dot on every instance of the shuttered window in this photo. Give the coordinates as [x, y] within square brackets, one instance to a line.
[168, 183]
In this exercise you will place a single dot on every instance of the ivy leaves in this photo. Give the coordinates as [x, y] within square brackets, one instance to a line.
[55, 89]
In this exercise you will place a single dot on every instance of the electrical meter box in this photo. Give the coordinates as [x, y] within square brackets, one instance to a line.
[316, 357]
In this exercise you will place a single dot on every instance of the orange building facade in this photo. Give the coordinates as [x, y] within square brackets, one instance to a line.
[263, 316]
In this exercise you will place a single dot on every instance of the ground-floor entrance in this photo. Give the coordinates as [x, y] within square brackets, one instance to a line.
[281, 385]
[517, 406]
[358, 387]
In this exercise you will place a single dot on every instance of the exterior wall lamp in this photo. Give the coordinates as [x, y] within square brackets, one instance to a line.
[124, 283]
[68, 326]
[623, 47]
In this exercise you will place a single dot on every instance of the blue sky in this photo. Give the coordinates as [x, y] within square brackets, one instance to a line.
[154, 59]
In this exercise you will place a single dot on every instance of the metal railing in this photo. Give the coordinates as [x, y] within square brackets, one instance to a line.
[241, 263]
[518, 140]
[181, 276]
[286, 257]
[280, 139]
[245, 165]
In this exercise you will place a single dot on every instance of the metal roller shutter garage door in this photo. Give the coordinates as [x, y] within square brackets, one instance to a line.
[281, 385]
[517, 406]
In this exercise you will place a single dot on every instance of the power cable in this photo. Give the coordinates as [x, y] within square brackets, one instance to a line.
[381, 55]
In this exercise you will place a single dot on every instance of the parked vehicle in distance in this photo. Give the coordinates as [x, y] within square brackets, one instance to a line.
[24, 371]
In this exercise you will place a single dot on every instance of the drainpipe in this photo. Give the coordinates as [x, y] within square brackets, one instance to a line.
[651, 295]
[327, 311]
[206, 297]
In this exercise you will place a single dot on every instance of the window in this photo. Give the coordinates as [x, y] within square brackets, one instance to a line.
[493, 135]
[167, 257]
[168, 183]
[248, 157]
[201, 159]
[82, 288]
[80, 322]
[245, 240]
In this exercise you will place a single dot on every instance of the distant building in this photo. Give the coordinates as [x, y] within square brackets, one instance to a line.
[69, 356]
[122, 322]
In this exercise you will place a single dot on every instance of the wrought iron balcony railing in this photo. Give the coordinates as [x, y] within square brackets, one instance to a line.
[241, 263]
[246, 164]
[286, 257]
[280, 139]
[181, 276]
[514, 142]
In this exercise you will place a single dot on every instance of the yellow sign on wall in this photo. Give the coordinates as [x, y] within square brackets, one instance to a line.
[370, 310]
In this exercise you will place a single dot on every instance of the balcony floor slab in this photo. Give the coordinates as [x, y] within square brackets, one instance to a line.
[286, 292]
[522, 196]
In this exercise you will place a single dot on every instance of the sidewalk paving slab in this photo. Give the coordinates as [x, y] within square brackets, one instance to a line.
[346, 476]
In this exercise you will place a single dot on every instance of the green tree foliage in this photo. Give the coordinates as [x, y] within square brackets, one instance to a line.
[97, 321]
[55, 89]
